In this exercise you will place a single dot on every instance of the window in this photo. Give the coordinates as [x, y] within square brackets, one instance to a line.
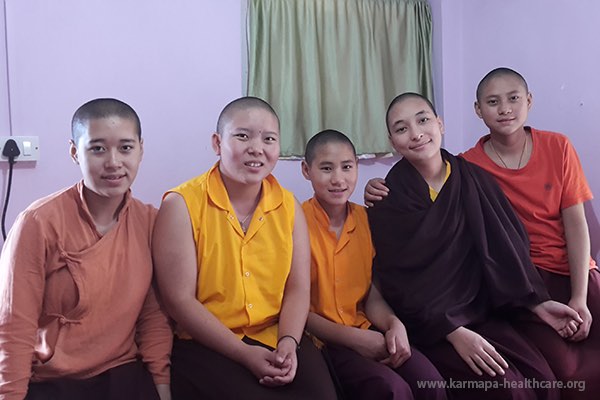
[337, 64]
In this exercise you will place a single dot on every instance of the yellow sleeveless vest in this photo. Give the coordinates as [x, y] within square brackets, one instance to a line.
[241, 278]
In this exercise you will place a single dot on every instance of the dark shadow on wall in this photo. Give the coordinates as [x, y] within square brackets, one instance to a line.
[594, 227]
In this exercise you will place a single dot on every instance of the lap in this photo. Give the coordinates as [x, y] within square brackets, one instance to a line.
[199, 372]
[126, 382]
[362, 378]
[526, 363]
[572, 362]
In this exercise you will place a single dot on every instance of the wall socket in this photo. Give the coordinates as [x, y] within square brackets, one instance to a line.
[29, 146]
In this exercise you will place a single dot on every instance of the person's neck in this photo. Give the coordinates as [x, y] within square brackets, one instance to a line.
[243, 197]
[337, 215]
[104, 210]
[433, 171]
[509, 145]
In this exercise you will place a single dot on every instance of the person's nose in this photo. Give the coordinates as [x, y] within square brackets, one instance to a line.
[255, 146]
[417, 135]
[504, 108]
[114, 159]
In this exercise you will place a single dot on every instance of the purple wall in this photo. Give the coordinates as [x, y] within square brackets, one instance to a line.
[553, 43]
[175, 62]
[179, 62]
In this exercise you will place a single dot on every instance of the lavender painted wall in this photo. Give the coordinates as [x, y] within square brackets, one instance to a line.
[553, 44]
[175, 62]
[179, 62]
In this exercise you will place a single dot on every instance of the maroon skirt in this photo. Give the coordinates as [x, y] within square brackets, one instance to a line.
[575, 364]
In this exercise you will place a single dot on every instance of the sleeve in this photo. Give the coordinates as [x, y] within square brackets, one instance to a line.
[154, 338]
[22, 283]
[575, 186]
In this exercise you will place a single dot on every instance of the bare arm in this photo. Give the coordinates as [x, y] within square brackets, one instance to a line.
[578, 248]
[332, 332]
[174, 253]
[369, 344]
[296, 298]
[383, 317]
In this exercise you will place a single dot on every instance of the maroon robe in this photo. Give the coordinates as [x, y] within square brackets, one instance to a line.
[462, 260]
[451, 262]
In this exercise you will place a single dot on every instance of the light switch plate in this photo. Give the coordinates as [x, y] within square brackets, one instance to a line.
[28, 145]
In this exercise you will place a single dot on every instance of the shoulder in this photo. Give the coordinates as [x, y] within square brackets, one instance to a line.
[360, 215]
[553, 145]
[193, 184]
[549, 137]
[47, 206]
[143, 210]
[476, 152]
[308, 206]
[46, 214]
[480, 174]
[358, 210]
[276, 194]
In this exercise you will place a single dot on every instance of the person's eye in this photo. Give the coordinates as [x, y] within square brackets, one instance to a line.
[241, 136]
[424, 120]
[97, 149]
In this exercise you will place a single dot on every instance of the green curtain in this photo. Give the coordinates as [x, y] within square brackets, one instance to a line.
[337, 64]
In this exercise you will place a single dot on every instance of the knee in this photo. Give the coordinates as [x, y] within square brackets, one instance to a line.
[391, 387]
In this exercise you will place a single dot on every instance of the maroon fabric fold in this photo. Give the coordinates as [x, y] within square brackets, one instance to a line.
[452, 262]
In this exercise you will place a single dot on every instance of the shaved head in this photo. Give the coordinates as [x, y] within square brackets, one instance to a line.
[99, 109]
[499, 72]
[242, 104]
[405, 96]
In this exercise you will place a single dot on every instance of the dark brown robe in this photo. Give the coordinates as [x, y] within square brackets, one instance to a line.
[451, 262]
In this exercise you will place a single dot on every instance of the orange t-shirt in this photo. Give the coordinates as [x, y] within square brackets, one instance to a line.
[340, 269]
[241, 277]
[551, 181]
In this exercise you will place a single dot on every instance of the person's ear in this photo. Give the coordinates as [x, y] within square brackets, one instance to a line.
[73, 151]
[441, 124]
[305, 170]
[477, 109]
[216, 143]
[529, 101]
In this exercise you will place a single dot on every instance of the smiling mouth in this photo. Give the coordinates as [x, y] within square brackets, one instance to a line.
[420, 145]
[253, 164]
[113, 177]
